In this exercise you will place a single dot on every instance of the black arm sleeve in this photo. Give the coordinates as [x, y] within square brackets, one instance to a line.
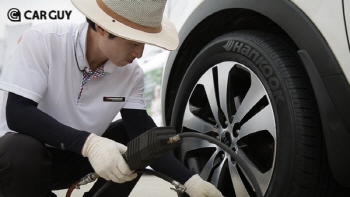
[24, 117]
[137, 122]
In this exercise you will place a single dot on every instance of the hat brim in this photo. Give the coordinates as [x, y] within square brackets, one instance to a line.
[167, 38]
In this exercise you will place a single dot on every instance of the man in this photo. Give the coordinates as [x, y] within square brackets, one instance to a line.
[63, 86]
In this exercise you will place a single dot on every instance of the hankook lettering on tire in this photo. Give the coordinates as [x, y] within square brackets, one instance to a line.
[260, 61]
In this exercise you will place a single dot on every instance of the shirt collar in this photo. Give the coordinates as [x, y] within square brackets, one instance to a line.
[79, 42]
[109, 67]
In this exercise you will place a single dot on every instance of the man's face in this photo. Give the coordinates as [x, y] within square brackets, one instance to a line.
[119, 50]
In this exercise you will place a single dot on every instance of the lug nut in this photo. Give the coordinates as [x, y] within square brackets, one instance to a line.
[222, 156]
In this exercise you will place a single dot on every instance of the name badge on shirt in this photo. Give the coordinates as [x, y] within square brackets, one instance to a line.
[114, 99]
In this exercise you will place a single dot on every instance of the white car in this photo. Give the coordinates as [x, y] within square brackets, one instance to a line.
[270, 79]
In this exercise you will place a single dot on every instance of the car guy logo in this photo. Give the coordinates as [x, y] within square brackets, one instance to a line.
[15, 15]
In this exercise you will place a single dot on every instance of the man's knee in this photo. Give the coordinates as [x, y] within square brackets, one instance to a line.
[23, 155]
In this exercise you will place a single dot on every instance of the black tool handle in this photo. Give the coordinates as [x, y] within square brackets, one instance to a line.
[146, 148]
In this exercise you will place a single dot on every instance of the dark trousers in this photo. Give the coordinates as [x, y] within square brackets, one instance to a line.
[29, 168]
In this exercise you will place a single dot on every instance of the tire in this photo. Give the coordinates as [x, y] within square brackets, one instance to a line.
[250, 90]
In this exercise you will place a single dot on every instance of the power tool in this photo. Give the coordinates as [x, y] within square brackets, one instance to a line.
[146, 148]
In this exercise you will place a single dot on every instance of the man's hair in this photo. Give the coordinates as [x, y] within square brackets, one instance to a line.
[92, 25]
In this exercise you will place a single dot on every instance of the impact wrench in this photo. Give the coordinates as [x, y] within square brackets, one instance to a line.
[146, 148]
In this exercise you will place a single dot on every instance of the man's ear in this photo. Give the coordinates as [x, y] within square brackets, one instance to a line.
[99, 30]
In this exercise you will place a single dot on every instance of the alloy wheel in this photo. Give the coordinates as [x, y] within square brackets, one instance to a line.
[230, 103]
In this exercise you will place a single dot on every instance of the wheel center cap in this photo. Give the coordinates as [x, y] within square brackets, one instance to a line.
[226, 138]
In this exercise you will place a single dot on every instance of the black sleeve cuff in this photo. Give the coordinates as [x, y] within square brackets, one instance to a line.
[24, 117]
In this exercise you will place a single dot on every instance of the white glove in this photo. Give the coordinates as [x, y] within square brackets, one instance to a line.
[197, 187]
[106, 159]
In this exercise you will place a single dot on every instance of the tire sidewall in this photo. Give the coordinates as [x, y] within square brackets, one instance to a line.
[255, 55]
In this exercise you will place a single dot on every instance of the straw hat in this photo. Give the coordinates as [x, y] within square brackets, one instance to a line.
[137, 20]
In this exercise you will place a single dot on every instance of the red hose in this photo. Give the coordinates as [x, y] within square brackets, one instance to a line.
[71, 188]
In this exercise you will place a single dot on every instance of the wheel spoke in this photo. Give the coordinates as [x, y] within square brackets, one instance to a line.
[255, 93]
[215, 180]
[261, 121]
[209, 166]
[192, 144]
[223, 73]
[196, 124]
[207, 80]
[262, 178]
[237, 182]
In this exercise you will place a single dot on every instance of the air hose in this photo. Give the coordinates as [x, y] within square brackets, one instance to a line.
[179, 188]
[145, 149]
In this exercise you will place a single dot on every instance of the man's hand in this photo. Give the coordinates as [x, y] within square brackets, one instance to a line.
[197, 187]
[106, 159]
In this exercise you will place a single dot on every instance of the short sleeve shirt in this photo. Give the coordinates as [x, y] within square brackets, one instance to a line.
[46, 67]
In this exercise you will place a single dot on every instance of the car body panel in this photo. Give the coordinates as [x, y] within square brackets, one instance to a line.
[347, 17]
[325, 55]
[333, 28]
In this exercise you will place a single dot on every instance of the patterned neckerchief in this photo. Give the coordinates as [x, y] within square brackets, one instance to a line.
[89, 75]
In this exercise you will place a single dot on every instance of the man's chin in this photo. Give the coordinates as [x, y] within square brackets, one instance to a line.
[122, 64]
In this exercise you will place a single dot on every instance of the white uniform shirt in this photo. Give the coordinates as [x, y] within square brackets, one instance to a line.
[44, 69]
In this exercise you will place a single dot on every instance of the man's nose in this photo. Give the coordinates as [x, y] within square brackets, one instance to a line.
[139, 50]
